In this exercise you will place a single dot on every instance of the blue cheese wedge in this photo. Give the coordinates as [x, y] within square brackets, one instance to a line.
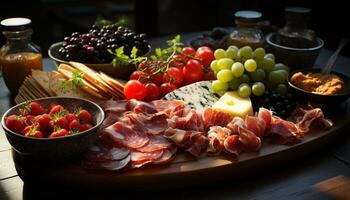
[196, 95]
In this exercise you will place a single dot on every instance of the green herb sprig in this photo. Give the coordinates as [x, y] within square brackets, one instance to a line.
[121, 58]
[174, 46]
[75, 82]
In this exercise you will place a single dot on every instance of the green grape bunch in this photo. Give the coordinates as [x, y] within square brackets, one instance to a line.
[248, 71]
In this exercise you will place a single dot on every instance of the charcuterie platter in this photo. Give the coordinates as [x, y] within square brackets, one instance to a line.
[184, 116]
[181, 172]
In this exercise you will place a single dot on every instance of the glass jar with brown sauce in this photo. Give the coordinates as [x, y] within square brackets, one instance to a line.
[295, 33]
[247, 31]
[19, 55]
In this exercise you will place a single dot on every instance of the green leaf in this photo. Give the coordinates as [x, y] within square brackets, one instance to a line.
[153, 57]
[133, 52]
[158, 52]
[119, 51]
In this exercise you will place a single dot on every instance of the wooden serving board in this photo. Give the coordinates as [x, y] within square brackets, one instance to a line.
[183, 172]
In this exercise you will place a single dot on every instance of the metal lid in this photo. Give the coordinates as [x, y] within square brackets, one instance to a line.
[298, 10]
[15, 24]
[248, 15]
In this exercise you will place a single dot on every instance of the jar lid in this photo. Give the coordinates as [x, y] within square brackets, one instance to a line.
[15, 24]
[298, 10]
[248, 15]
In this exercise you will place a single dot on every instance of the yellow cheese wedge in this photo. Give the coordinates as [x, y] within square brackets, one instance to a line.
[235, 105]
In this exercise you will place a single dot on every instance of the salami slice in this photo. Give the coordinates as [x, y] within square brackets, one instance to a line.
[125, 135]
[107, 165]
[98, 153]
[168, 155]
[156, 143]
[138, 159]
[154, 124]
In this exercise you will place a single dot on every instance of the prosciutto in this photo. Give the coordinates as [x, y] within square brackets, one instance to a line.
[136, 133]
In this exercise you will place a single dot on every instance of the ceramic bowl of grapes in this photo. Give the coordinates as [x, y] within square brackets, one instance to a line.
[103, 49]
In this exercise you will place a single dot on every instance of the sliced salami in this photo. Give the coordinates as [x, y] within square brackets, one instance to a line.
[107, 165]
[154, 124]
[125, 135]
[156, 143]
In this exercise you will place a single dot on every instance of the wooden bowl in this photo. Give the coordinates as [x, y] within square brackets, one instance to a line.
[296, 58]
[61, 148]
[122, 71]
[320, 98]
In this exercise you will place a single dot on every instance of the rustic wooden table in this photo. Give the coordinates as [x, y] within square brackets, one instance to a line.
[321, 175]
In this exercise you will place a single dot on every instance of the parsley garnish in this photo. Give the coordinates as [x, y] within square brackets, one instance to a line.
[122, 59]
[75, 82]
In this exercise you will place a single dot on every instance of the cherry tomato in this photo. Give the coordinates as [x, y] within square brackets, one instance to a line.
[178, 61]
[134, 89]
[15, 123]
[193, 71]
[165, 88]
[206, 55]
[174, 76]
[157, 78]
[139, 75]
[55, 109]
[188, 51]
[203, 48]
[152, 92]
[84, 116]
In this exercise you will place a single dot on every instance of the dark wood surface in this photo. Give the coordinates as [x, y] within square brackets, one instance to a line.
[324, 174]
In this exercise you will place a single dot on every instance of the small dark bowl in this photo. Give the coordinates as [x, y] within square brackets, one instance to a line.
[296, 58]
[320, 98]
[58, 149]
[122, 72]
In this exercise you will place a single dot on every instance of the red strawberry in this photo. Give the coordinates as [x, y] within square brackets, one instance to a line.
[84, 127]
[59, 133]
[55, 109]
[74, 125]
[84, 116]
[15, 123]
[34, 132]
[70, 117]
[29, 119]
[43, 122]
[32, 108]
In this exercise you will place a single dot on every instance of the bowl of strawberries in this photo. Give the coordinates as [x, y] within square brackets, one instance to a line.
[52, 129]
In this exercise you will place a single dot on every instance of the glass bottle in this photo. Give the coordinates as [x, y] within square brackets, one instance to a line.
[247, 31]
[19, 55]
[295, 33]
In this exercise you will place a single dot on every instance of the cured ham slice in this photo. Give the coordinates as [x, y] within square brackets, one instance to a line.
[156, 143]
[193, 142]
[125, 135]
[250, 142]
[171, 108]
[255, 125]
[153, 124]
[305, 118]
[191, 120]
[213, 117]
[112, 105]
[233, 144]
[282, 133]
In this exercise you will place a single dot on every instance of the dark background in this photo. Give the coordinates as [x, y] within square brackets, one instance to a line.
[54, 19]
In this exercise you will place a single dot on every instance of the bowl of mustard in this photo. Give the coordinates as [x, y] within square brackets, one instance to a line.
[316, 87]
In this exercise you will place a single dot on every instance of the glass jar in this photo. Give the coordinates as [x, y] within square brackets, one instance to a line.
[295, 33]
[247, 31]
[19, 55]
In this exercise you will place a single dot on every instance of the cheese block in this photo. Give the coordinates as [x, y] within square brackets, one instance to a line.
[235, 105]
[196, 95]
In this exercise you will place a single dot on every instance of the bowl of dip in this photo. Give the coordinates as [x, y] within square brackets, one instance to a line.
[309, 83]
